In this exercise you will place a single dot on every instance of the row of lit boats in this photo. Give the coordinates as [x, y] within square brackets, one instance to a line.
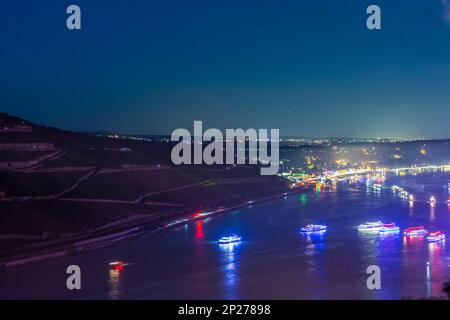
[310, 228]
[408, 196]
[376, 227]
[402, 193]
[380, 227]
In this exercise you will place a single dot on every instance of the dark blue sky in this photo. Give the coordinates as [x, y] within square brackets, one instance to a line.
[306, 67]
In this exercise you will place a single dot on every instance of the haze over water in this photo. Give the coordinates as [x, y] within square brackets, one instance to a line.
[274, 261]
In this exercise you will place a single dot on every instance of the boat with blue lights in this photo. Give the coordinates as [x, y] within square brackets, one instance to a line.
[370, 226]
[436, 236]
[415, 231]
[313, 228]
[230, 239]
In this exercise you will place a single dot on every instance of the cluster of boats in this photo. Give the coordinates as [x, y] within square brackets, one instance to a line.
[310, 228]
[402, 193]
[381, 228]
[376, 227]
[405, 195]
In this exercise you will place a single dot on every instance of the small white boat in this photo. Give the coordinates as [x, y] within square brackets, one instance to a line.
[230, 239]
[313, 228]
[370, 226]
[117, 265]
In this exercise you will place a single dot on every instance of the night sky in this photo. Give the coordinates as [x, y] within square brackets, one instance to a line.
[309, 68]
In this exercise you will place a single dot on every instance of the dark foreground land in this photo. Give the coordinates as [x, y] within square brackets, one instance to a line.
[58, 187]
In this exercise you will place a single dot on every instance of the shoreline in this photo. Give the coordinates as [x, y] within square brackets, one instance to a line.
[82, 243]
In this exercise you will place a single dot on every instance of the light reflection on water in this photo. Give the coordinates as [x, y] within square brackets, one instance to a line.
[317, 240]
[199, 229]
[432, 212]
[435, 268]
[230, 257]
[114, 283]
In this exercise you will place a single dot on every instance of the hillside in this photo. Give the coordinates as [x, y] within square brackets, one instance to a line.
[56, 184]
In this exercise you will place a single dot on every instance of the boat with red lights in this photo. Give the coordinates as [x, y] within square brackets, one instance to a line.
[389, 228]
[117, 265]
[415, 231]
[436, 236]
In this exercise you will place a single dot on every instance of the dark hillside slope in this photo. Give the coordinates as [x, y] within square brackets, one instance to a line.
[55, 184]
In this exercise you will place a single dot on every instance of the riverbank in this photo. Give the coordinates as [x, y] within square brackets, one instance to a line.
[120, 232]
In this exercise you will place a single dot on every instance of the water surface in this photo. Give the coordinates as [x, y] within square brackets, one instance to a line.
[274, 261]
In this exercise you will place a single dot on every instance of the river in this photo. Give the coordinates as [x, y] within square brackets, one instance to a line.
[274, 261]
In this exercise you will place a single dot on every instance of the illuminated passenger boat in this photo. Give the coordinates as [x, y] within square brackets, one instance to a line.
[370, 226]
[230, 239]
[313, 228]
[117, 265]
[404, 194]
[377, 186]
[389, 228]
[436, 236]
[415, 231]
